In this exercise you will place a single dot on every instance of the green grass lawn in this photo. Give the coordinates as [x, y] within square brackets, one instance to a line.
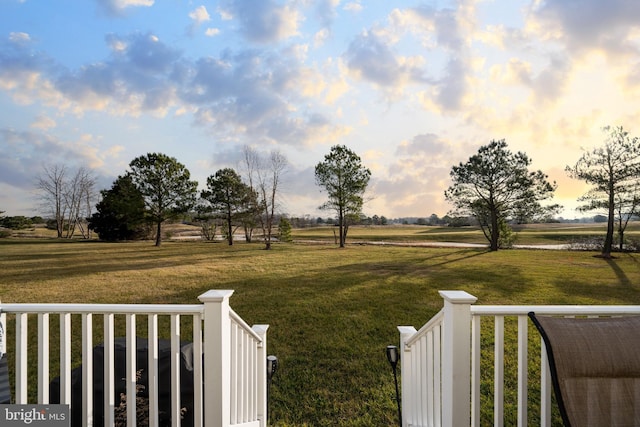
[331, 311]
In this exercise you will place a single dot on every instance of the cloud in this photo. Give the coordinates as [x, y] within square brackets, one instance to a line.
[353, 6]
[117, 7]
[263, 21]
[212, 32]
[453, 30]
[146, 53]
[417, 177]
[326, 10]
[446, 64]
[15, 55]
[577, 34]
[320, 37]
[446, 28]
[453, 86]
[421, 196]
[588, 24]
[263, 118]
[301, 190]
[425, 145]
[24, 73]
[43, 123]
[198, 17]
[370, 58]
[15, 159]
[548, 85]
[249, 92]
[23, 154]
[133, 80]
[117, 44]
[445, 23]
[335, 90]
[253, 93]
[19, 37]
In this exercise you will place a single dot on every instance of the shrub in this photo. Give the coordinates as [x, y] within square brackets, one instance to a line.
[16, 222]
[284, 230]
[507, 237]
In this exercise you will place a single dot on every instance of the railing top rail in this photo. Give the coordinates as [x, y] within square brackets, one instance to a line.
[436, 319]
[578, 310]
[104, 308]
[186, 309]
[235, 317]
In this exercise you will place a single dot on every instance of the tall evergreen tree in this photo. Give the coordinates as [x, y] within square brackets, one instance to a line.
[345, 180]
[228, 197]
[494, 186]
[121, 212]
[166, 187]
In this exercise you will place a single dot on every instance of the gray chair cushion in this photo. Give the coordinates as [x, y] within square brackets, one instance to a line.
[595, 368]
[5, 388]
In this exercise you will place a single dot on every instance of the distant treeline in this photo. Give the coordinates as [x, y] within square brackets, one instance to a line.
[22, 222]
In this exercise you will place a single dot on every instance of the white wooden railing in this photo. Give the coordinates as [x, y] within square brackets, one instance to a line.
[229, 385]
[441, 362]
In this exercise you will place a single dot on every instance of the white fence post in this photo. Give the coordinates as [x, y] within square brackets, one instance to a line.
[456, 358]
[262, 374]
[406, 374]
[217, 357]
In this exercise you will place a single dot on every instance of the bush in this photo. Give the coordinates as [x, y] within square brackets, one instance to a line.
[4, 233]
[16, 222]
[460, 222]
[208, 230]
[507, 237]
[284, 230]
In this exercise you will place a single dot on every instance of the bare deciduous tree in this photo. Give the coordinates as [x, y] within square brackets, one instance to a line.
[50, 186]
[68, 201]
[78, 198]
[264, 176]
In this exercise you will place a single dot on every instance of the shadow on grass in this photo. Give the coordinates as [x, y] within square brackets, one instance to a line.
[619, 272]
[50, 259]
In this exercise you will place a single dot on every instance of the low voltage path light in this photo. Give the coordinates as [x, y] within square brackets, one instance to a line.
[272, 367]
[393, 356]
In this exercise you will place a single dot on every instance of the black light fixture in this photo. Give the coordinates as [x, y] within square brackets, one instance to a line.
[393, 356]
[272, 367]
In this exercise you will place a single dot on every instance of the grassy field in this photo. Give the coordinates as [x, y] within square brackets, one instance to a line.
[528, 234]
[533, 234]
[331, 311]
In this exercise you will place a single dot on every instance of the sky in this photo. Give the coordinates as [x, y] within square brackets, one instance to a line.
[412, 87]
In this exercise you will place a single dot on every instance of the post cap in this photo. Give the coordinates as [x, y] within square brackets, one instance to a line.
[458, 297]
[215, 295]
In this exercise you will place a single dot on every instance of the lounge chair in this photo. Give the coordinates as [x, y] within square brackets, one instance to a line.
[595, 368]
[5, 388]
